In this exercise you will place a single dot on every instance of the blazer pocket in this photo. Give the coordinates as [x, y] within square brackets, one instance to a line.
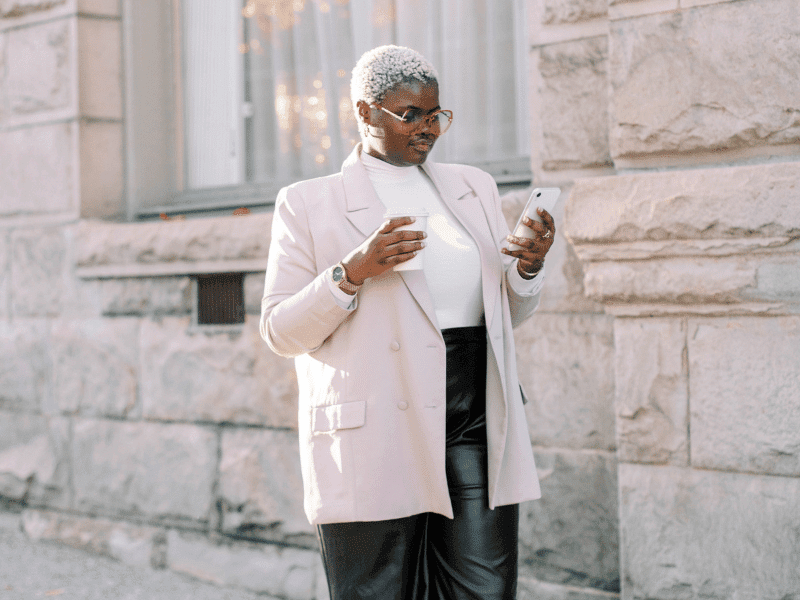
[339, 416]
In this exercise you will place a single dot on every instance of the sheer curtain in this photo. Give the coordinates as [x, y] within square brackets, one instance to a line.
[289, 115]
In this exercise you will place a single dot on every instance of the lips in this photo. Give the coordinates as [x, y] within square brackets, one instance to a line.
[423, 144]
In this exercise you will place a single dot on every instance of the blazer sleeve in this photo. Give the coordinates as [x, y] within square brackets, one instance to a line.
[298, 310]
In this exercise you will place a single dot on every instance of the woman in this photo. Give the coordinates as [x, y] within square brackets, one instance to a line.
[413, 441]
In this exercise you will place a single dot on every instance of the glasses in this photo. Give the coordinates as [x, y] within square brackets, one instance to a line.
[416, 120]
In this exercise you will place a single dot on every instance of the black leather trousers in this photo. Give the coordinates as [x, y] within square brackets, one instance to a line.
[428, 556]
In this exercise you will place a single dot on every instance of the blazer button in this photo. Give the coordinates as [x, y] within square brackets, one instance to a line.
[395, 345]
[402, 405]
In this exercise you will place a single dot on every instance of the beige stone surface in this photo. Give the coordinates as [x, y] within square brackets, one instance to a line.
[279, 571]
[744, 390]
[37, 174]
[718, 203]
[681, 82]
[5, 276]
[570, 11]
[101, 161]
[215, 375]
[96, 367]
[677, 280]
[130, 544]
[531, 589]
[570, 535]
[38, 271]
[26, 367]
[708, 534]
[39, 71]
[100, 73]
[572, 103]
[109, 8]
[651, 390]
[34, 459]
[145, 296]
[261, 487]
[253, 292]
[566, 367]
[13, 9]
[152, 469]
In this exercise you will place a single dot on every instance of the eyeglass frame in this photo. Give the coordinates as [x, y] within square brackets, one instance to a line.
[426, 119]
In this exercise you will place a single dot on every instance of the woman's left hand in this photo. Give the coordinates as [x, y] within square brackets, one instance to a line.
[531, 256]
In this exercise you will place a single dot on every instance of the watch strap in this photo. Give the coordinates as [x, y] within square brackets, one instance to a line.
[343, 284]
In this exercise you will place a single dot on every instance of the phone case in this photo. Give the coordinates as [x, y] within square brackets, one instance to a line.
[545, 198]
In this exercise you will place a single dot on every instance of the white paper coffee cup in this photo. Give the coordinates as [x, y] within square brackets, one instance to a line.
[420, 224]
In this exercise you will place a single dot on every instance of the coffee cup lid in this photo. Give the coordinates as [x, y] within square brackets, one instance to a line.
[405, 212]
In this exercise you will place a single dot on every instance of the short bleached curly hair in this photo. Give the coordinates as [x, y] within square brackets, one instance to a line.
[380, 69]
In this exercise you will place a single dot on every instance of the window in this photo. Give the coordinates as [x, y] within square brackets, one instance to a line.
[245, 96]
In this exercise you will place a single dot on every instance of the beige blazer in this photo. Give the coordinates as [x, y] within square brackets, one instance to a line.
[372, 380]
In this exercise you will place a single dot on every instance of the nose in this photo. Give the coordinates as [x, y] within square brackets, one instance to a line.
[430, 124]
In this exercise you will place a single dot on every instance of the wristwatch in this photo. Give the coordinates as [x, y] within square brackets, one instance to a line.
[340, 279]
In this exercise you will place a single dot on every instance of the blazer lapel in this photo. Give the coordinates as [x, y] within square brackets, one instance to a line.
[471, 211]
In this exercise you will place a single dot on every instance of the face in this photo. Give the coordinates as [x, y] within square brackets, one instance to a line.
[392, 141]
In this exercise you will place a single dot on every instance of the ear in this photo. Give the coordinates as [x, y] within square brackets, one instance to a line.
[365, 112]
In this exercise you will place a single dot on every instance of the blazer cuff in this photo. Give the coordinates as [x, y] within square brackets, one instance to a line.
[525, 287]
[343, 299]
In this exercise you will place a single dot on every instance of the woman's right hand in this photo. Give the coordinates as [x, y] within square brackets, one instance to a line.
[384, 249]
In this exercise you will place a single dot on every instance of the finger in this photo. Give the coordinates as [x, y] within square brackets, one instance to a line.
[396, 222]
[538, 227]
[548, 220]
[404, 247]
[396, 259]
[399, 236]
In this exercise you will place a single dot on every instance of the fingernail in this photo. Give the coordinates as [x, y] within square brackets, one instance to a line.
[422, 244]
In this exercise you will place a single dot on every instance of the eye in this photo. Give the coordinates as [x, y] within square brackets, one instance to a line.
[412, 115]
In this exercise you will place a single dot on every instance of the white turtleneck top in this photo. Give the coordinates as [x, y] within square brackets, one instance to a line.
[451, 261]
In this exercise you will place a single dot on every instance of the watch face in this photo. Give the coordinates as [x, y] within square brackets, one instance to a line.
[338, 273]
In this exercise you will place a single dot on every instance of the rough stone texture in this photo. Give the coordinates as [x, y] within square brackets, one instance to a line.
[651, 402]
[574, 104]
[253, 292]
[99, 7]
[39, 69]
[34, 463]
[705, 534]
[678, 280]
[570, 535]
[100, 60]
[146, 296]
[566, 366]
[37, 169]
[778, 278]
[261, 487]
[101, 150]
[16, 8]
[196, 375]
[127, 543]
[191, 241]
[682, 82]
[38, 276]
[25, 368]
[96, 367]
[530, 589]
[731, 202]
[5, 268]
[158, 470]
[744, 389]
[571, 11]
[280, 571]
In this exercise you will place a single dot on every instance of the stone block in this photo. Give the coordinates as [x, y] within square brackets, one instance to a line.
[96, 367]
[101, 170]
[531, 589]
[651, 392]
[253, 292]
[5, 276]
[34, 459]
[744, 388]
[570, 535]
[693, 204]
[778, 278]
[130, 544]
[573, 104]
[106, 8]
[37, 174]
[146, 296]
[40, 71]
[100, 56]
[572, 11]
[677, 280]
[152, 469]
[707, 534]
[681, 82]
[566, 366]
[261, 487]
[38, 272]
[26, 368]
[223, 376]
[14, 9]
[268, 569]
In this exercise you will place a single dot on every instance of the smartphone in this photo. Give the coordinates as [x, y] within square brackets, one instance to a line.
[545, 198]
